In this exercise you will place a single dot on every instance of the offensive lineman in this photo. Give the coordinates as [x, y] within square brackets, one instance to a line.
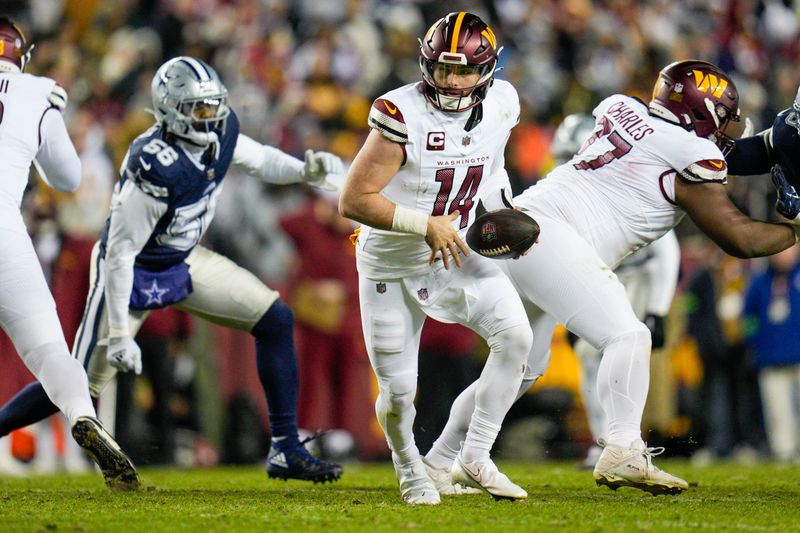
[31, 126]
[641, 171]
[434, 148]
[148, 256]
[649, 275]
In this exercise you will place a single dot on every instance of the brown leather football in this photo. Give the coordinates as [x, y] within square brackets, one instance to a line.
[502, 234]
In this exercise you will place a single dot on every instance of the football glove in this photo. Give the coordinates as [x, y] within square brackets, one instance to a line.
[318, 165]
[58, 97]
[655, 324]
[124, 354]
[788, 203]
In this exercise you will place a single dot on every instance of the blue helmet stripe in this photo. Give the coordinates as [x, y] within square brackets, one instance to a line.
[199, 71]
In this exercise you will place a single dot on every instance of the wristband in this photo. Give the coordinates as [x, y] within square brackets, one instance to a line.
[409, 221]
[115, 332]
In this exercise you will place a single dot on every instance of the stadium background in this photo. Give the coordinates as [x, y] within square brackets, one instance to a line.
[303, 74]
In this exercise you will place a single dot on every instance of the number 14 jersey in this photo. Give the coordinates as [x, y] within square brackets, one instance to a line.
[451, 160]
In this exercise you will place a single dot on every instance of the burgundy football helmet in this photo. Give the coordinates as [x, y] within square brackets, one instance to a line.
[14, 49]
[459, 43]
[698, 96]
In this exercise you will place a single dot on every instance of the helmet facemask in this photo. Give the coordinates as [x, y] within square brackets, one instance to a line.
[190, 101]
[15, 52]
[458, 58]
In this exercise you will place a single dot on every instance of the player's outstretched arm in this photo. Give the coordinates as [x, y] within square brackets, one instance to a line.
[274, 166]
[373, 168]
[708, 205]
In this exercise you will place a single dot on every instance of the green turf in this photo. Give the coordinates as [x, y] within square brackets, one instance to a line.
[724, 497]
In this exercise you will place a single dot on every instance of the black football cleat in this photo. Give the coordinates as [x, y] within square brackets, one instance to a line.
[295, 462]
[117, 468]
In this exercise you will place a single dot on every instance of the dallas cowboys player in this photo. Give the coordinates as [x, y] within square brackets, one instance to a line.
[31, 127]
[148, 256]
[776, 146]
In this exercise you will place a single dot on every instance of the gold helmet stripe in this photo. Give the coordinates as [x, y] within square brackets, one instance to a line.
[489, 34]
[456, 31]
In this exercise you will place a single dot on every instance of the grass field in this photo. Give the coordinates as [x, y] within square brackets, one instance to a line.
[724, 497]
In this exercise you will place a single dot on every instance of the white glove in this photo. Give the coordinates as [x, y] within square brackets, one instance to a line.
[318, 165]
[124, 354]
[58, 97]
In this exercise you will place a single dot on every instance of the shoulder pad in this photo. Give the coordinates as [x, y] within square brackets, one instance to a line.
[385, 117]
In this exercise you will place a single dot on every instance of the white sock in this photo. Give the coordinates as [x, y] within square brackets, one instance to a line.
[590, 365]
[497, 389]
[622, 384]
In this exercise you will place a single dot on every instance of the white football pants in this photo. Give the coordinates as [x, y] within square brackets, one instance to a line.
[563, 280]
[478, 296]
[223, 293]
[28, 316]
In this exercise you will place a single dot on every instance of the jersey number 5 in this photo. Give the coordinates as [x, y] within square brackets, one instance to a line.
[621, 147]
[463, 200]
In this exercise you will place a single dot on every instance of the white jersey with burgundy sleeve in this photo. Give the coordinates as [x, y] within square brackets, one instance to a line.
[448, 165]
[23, 104]
[618, 191]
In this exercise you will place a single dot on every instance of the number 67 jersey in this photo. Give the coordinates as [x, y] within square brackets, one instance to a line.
[618, 191]
[451, 160]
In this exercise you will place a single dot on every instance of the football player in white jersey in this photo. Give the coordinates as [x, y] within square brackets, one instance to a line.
[149, 256]
[434, 147]
[643, 169]
[32, 130]
[649, 275]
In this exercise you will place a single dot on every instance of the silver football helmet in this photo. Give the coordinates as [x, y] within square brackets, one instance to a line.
[190, 100]
[570, 136]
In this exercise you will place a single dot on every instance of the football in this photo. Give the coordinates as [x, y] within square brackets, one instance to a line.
[502, 234]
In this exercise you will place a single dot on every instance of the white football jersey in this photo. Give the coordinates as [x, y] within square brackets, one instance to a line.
[449, 163]
[618, 191]
[23, 102]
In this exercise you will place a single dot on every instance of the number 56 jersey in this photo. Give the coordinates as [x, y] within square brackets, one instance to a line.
[618, 191]
[451, 159]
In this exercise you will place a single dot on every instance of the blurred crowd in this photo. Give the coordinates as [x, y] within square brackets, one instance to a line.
[303, 74]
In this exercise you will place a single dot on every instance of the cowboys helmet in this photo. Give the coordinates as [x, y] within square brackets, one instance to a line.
[570, 136]
[459, 43]
[14, 48]
[699, 97]
[190, 100]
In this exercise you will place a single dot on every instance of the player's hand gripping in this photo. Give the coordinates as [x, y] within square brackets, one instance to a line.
[124, 354]
[444, 240]
[318, 165]
[788, 203]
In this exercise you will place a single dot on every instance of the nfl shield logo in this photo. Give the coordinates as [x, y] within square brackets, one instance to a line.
[422, 294]
[210, 173]
[466, 140]
[380, 287]
[488, 231]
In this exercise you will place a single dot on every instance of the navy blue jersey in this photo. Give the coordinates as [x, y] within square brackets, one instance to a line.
[190, 189]
[757, 154]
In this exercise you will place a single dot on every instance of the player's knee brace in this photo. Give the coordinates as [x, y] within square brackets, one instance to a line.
[514, 342]
[277, 321]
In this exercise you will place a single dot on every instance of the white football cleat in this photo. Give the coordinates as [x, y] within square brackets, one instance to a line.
[484, 475]
[633, 467]
[444, 481]
[416, 487]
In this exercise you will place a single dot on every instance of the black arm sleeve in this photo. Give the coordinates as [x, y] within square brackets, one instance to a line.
[750, 156]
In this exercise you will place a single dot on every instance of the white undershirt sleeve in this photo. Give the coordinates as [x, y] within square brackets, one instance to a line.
[134, 216]
[663, 267]
[266, 163]
[56, 160]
